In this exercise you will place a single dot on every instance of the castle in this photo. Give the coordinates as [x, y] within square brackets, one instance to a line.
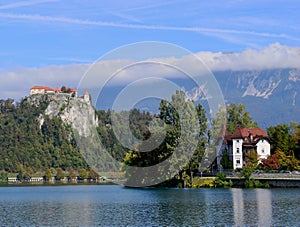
[42, 90]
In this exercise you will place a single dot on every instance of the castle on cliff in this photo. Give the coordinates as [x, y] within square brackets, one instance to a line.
[42, 90]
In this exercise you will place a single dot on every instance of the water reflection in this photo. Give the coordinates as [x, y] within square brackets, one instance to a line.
[252, 206]
[116, 206]
[264, 206]
[238, 206]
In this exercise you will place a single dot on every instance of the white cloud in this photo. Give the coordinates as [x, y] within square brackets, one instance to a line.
[16, 83]
[273, 56]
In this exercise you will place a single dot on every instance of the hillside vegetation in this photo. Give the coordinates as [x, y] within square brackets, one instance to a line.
[28, 147]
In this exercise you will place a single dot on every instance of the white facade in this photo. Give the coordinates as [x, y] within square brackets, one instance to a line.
[37, 91]
[263, 149]
[237, 153]
[40, 91]
[86, 97]
[241, 142]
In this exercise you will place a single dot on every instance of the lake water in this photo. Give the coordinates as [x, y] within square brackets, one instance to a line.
[114, 205]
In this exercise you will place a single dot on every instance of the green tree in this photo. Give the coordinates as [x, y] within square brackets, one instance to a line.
[3, 177]
[83, 174]
[186, 133]
[48, 175]
[93, 174]
[238, 116]
[60, 174]
[280, 138]
[295, 138]
[63, 89]
[252, 159]
[225, 161]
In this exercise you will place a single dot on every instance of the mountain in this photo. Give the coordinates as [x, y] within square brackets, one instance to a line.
[271, 96]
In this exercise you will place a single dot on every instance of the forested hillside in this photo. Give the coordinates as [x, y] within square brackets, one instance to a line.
[27, 146]
[33, 142]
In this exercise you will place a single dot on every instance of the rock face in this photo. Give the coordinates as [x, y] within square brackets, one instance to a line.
[271, 96]
[74, 111]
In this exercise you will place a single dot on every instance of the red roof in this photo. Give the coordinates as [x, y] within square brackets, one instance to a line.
[41, 87]
[50, 89]
[254, 131]
[241, 133]
[57, 89]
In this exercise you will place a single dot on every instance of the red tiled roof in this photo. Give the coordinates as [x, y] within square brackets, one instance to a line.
[57, 89]
[241, 133]
[42, 87]
[50, 89]
[254, 131]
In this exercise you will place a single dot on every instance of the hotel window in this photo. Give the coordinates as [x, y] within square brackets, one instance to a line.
[238, 150]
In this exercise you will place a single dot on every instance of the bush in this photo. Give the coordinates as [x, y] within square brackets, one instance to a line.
[221, 181]
[200, 182]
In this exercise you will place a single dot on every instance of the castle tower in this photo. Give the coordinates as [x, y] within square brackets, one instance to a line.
[87, 97]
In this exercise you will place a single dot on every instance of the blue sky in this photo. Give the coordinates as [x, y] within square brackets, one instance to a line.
[36, 34]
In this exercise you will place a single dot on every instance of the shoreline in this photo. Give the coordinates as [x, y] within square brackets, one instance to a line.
[26, 184]
[237, 183]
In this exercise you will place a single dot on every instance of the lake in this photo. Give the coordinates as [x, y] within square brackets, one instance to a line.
[114, 205]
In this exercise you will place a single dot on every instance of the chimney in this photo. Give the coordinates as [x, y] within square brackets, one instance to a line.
[250, 135]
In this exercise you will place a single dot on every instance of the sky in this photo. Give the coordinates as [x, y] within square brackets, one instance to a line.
[53, 42]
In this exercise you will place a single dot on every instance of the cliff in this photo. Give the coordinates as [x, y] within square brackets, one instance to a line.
[74, 111]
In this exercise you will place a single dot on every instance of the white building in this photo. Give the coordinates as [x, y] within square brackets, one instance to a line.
[41, 90]
[48, 90]
[241, 142]
[87, 96]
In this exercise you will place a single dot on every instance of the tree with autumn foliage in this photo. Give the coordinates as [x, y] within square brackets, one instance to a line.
[252, 159]
[280, 161]
[270, 163]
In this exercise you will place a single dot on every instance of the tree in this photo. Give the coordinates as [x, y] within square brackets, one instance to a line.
[225, 161]
[63, 89]
[183, 145]
[72, 173]
[280, 138]
[60, 174]
[252, 159]
[48, 175]
[3, 177]
[279, 160]
[93, 174]
[270, 163]
[83, 174]
[238, 116]
[194, 163]
[295, 138]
